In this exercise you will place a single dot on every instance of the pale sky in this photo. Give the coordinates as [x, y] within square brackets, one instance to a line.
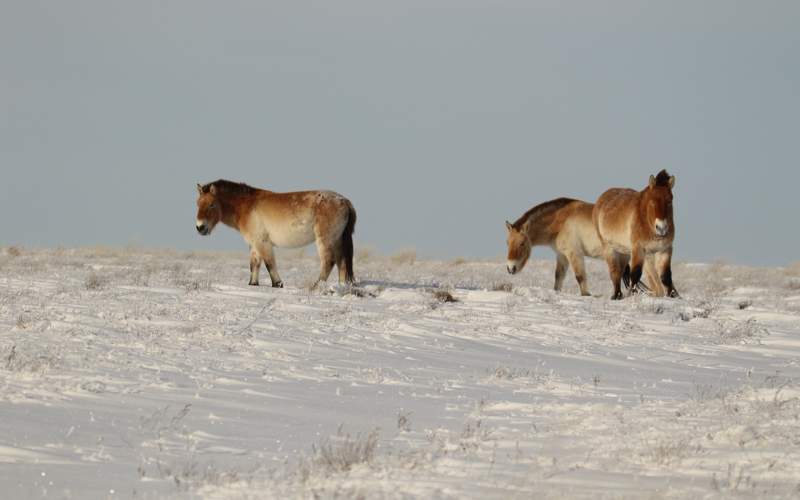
[438, 119]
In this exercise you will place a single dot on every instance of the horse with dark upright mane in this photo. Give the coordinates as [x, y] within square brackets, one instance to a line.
[267, 219]
[637, 228]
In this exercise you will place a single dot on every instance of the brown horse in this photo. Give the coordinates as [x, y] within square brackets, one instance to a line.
[638, 225]
[565, 225]
[267, 219]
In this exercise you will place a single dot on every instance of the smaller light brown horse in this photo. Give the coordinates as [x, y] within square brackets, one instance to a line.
[638, 225]
[563, 224]
[266, 219]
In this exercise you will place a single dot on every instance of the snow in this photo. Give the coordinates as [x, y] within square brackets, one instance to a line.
[159, 374]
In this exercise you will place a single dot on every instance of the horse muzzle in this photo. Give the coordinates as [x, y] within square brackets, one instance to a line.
[661, 228]
[512, 269]
[202, 229]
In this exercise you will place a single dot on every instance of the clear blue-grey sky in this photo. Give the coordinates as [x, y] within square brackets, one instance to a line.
[439, 119]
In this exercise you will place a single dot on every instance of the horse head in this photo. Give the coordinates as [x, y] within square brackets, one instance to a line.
[657, 204]
[209, 209]
[519, 248]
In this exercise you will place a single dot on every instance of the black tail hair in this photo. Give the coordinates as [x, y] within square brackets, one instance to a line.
[347, 244]
[626, 279]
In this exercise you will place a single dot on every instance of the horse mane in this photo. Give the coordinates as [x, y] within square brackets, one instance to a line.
[662, 179]
[541, 210]
[225, 187]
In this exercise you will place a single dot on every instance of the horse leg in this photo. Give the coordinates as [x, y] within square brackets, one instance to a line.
[664, 268]
[327, 258]
[576, 261]
[255, 265]
[626, 273]
[653, 280]
[336, 256]
[615, 271]
[338, 261]
[268, 256]
[561, 271]
[341, 266]
[637, 264]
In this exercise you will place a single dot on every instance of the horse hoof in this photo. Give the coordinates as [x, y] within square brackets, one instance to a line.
[673, 294]
[279, 284]
[253, 283]
[617, 296]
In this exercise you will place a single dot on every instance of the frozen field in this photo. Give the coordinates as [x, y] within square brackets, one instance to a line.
[131, 373]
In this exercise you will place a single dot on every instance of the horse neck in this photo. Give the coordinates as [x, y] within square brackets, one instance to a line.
[641, 211]
[536, 233]
[233, 207]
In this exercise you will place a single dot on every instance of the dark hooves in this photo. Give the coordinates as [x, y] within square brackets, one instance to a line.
[253, 283]
[673, 294]
[617, 296]
[279, 284]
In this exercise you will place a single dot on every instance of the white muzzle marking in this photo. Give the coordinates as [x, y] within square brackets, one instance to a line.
[511, 266]
[662, 227]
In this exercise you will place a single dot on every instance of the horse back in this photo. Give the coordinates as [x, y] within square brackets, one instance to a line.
[544, 221]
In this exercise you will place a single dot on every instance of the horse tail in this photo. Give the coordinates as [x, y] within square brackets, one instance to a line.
[626, 280]
[347, 243]
[626, 277]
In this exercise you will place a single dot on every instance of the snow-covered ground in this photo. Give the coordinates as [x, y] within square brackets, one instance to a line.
[159, 374]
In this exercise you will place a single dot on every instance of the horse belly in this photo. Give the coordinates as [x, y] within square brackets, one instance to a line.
[292, 235]
[590, 242]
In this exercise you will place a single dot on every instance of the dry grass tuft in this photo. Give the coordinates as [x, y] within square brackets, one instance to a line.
[95, 282]
[443, 296]
[352, 290]
[339, 454]
[25, 362]
[142, 277]
[734, 480]
[793, 270]
[364, 255]
[404, 257]
[740, 332]
[668, 451]
[511, 373]
[793, 284]
[190, 474]
[193, 284]
[404, 421]
[473, 435]
[502, 287]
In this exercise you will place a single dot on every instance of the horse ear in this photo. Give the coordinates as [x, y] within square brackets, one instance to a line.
[199, 188]
[212, 189]
[652, 181]
[672, 182]
[509, 226]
